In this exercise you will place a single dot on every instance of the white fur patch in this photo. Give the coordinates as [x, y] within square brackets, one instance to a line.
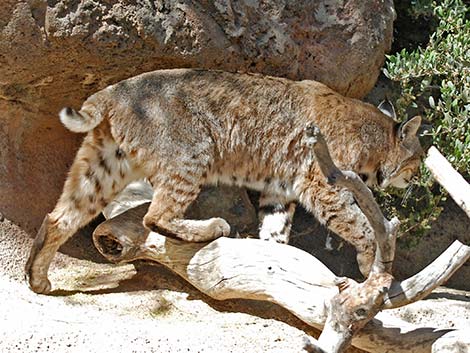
[273, 227]
[78, 122]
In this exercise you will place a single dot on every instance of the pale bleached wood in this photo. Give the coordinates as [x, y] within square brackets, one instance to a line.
[435, 274]
[226, 268]
[254, 269]
[355, 304]
[385, 231]
[449, 178]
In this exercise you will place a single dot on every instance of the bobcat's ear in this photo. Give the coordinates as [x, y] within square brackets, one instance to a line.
[409, 128]
[387, 108]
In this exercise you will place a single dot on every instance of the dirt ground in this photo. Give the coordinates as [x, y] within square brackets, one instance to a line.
[101, 307]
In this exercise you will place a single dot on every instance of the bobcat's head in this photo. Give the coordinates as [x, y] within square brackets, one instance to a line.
[402, 159]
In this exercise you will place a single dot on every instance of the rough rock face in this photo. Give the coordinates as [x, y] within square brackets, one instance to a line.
[56, 53]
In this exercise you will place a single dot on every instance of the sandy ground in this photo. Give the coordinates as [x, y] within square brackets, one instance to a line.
[102, 307]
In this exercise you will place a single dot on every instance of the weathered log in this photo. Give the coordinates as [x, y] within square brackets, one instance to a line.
[254, 269]
[449, 178]
[225, 268]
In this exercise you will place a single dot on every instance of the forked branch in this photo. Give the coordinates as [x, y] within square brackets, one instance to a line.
[380, 290]
[355, 304]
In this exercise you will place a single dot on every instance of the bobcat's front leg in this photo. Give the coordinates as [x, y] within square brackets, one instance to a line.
[336, 208]
[275, 215]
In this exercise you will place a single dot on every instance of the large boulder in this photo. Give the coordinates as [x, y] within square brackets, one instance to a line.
[56, 53]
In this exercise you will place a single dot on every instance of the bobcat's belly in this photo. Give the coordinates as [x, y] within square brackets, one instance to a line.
[267, 185]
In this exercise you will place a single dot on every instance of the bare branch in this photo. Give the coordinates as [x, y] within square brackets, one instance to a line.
[435, 274]
[385, 231]
[449, 178]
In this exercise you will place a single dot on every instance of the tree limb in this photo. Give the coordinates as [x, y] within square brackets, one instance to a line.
[385, 231]
[435, 274]
[449, 178]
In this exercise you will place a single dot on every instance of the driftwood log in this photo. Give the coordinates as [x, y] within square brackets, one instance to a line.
[252, 269]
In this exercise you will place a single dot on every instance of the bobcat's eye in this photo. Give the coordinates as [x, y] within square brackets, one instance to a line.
[364, 177]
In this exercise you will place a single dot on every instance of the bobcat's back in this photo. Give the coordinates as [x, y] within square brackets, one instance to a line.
[249, 121]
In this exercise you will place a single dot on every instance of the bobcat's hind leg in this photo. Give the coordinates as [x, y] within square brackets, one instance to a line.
[99, 172]
[275, 215]
[171, 199]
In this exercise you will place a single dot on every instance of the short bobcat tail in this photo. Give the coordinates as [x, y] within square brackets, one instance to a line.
[81, 121]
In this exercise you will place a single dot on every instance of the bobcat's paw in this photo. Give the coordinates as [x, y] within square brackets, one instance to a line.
[207, 230]
[40, 285]
[276, 227]
[220, 228]
[34, 274]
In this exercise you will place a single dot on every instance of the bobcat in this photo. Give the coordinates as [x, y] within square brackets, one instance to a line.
[184, 128]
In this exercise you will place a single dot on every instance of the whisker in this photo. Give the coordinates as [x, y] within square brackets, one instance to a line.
[407, 194]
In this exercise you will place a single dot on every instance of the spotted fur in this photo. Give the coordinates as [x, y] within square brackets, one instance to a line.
[182, 129]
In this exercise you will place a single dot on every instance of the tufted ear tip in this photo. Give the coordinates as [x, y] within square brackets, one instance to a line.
[388, 109]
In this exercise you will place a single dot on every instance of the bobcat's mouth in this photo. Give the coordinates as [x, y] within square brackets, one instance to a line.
[370, 179]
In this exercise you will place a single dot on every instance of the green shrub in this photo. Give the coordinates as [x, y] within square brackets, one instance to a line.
[435, 78]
